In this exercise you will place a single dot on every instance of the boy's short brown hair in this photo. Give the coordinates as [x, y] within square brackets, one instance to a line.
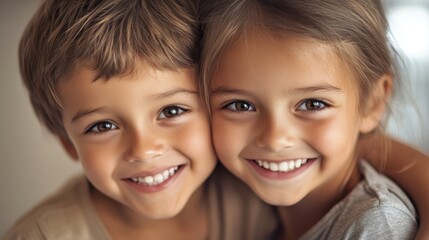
[109, 36]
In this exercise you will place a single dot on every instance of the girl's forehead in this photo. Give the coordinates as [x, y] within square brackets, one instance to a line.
[294, 57]
[265, 40]
[253, 45]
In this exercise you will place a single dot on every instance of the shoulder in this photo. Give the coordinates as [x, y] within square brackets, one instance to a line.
[60, 216]
[383, 193]
[384, 222]
[377, 209]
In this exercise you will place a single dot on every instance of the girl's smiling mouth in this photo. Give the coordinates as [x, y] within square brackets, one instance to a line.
[283, 166]
[281, 169]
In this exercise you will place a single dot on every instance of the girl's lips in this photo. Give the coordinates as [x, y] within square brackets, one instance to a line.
[154, 183]
[282, 166]
[280, 170]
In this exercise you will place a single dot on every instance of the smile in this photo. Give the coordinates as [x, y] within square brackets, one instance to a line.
[283, 166]
[157, 178]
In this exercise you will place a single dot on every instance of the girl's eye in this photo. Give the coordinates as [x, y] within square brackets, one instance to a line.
[312, 105]
[101, 127]
[171, 112]
[239, 106]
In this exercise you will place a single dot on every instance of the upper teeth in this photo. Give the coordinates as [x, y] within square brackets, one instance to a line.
[157, 178]
[284, 166]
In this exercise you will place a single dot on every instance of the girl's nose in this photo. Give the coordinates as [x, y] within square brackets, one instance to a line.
[276, 134]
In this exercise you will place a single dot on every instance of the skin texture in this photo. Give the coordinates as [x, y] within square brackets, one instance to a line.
[280, 99]
[139, 125]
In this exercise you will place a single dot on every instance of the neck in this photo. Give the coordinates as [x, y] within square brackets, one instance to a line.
[297, 219]
[122, 222]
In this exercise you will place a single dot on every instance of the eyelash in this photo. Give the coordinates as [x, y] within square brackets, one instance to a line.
[228, 106]
[179, 113]
[323, 106]
[94, 129]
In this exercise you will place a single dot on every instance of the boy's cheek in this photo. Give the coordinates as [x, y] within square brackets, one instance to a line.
[196, 137]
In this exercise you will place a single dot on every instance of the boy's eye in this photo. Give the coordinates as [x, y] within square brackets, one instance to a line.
[170, 112]
[240, 106]
[312, 105]
[101, 127]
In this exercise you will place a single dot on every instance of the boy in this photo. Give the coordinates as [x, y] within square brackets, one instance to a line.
[115, 82]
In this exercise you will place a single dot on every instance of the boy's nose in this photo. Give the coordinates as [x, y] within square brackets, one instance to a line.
[144, 147]
[276, 134]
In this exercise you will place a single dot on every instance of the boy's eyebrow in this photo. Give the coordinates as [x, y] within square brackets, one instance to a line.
[80, 114]
[324, 87]
[175, 92]
[167, 94]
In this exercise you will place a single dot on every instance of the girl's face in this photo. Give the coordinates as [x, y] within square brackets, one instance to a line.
[285, 117]
[143, 139]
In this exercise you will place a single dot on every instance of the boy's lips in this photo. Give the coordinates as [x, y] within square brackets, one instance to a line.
[154, 178]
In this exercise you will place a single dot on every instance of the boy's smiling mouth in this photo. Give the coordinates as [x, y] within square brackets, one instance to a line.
[157, 178]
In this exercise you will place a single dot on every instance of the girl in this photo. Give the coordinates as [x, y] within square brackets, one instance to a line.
[293, 86]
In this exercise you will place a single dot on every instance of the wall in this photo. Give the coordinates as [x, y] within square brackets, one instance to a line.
[32, 163]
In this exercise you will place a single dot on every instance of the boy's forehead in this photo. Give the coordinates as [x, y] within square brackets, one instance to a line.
[86, 70]
[84, 76]
[145, 86]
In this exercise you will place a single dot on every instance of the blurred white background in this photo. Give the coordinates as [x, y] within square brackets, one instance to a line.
[409, 23]
[33, 164]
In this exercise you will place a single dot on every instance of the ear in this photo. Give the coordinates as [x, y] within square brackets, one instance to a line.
[375, 109]
[70, 149]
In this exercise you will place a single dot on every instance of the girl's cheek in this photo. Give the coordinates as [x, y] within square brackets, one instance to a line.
[333, 136]
[223, 136]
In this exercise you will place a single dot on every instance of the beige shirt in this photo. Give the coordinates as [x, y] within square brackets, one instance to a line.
[234, 213]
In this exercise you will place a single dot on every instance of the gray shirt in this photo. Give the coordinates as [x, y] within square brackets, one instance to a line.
[375, 209]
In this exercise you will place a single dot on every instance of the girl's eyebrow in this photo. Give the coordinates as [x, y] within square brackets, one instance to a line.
[225, 90]
[324, 87]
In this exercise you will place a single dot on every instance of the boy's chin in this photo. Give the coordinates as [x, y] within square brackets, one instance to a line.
[161, 213]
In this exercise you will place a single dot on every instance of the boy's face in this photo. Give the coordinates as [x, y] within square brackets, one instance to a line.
[143, 139]
[285, 117]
